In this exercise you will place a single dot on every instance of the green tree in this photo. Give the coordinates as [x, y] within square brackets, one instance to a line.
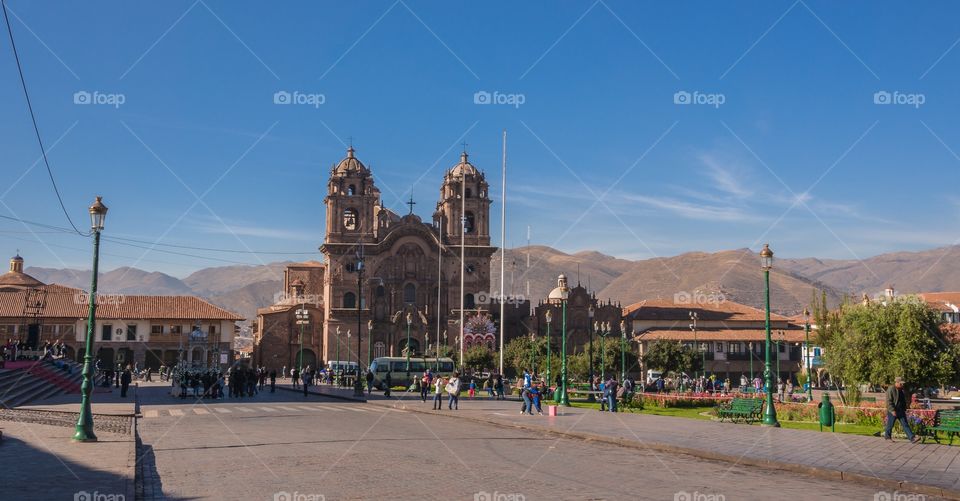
[672, 357]
[874, 342]
[478, 357]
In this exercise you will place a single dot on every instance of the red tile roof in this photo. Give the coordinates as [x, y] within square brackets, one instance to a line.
[64, 302]
[790, 335]
[667, 309]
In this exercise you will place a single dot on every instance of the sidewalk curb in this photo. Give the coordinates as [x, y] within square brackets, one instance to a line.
[814, 471]
[338, 397]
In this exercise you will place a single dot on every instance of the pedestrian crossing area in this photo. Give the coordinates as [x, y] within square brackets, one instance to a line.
[266, 409]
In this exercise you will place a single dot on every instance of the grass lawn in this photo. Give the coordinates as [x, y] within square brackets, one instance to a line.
[697, 413]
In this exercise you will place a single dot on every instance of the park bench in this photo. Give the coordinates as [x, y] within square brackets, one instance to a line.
[745, 409]
[947, 421]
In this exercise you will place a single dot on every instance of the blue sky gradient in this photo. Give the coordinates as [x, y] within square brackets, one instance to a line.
[600, 155]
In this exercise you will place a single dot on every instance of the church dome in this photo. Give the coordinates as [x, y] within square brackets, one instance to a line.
[350, 166]
[464, 166]
[560, 291]
[16, 277]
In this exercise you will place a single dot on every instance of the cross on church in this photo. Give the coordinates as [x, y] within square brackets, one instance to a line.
[464, 147]
[411, 203]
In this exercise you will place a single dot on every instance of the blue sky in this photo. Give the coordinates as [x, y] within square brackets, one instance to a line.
[785, 143]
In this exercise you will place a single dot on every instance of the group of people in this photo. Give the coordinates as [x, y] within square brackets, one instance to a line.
[16, 350]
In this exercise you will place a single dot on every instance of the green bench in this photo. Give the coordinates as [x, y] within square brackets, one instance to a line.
[740, 409]
[947, 421]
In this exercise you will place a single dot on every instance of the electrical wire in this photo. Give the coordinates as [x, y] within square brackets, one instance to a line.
[33, 117]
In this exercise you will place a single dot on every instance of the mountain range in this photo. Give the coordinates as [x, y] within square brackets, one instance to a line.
[532, 272]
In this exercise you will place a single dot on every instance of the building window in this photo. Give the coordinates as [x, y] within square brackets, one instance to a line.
[719, 347]
[735, 348]
[349, 300]
[379, 349]
[176, 329]
[106, 332]
[469, 302]
[131, 332]
[67, 330]
[212, 330]
[350, 219]
[409, 293]
[468, 222]
[156, 330]
[351, 190]
[380, 291]
[468, 193]
[782, 348]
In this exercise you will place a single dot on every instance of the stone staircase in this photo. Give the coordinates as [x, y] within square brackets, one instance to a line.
[37, 381]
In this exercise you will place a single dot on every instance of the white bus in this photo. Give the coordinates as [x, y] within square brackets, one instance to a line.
[397, 367]
[336, 366]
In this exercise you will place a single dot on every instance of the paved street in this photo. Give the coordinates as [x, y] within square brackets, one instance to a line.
[283, 442]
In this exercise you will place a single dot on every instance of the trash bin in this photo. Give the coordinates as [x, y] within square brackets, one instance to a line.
[551, 410]
[827, 417]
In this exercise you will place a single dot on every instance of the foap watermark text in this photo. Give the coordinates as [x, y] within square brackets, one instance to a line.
[914, 99]
[114, 99]
[497, 97]
[714, 99]
[297, 97]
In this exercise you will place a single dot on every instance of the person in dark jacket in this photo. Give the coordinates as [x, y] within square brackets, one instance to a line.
[897, 410]
[125, 379]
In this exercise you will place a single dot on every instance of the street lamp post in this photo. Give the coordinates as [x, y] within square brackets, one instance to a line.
[806, 343]
[751, 362]
[549, 317]
[84, 430]
[623, 351]
[590, 312]
[694, 316]
[563, 398]
[369, 341]
[303, 318]
[602, 331]
[409, 322]
[779, 344]
[770, 413]
[337, 368]
[533, 345]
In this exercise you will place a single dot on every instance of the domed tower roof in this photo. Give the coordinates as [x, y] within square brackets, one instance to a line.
[350, 166]
[560, 291]
[463, 167]
[16, 277]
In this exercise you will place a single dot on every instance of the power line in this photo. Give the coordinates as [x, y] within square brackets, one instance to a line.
[132, 242]
[33, 117]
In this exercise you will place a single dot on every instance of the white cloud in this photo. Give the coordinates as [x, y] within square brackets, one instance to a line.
[724, 177]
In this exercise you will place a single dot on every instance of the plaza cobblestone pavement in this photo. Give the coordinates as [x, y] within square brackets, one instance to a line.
[287, 444]
[927, 468]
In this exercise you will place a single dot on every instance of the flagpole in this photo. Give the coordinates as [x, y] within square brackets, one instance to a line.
[439, 284]
[463, 248]
[503, 245]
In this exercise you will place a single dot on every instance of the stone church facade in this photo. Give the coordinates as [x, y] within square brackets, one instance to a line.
[385, 271]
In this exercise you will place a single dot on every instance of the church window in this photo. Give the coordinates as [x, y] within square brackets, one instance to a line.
[350, 219]
[380, 291]
[349, 300]
[409, 293]
[469, 302]
[468, 223]
[351, 190]
[379, 349]
[468, 193]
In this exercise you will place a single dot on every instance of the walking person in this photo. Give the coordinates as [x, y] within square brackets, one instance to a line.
[125, 382]
[527, 402]
[387, 383]
[306, 379]
[535, 398]
[499, 387]
[781, 390]
[426, 381]
[453, 390]
[611, 393]
[273, 380]
[369, 381]
[896, 400]
[295, 376]
[438, 385]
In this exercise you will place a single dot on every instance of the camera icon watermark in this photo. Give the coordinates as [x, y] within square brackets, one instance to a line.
[97, 97]
[915, 99]
[696, 97]
[83, 298]
[898, 496]
[698, 297]
[497, 97]
[484, 297]
[697, 496]
[97, 496]
[297, 97]
[498, 496]
[297, 496]
[286, 298]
